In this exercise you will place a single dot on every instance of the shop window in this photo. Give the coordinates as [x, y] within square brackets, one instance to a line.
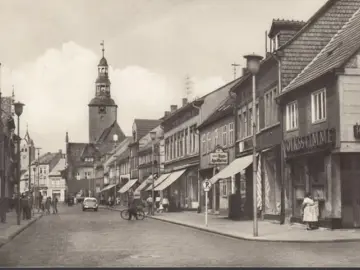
[292, 116]
[318, 106]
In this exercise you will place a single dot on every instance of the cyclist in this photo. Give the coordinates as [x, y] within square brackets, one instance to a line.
[132, 209]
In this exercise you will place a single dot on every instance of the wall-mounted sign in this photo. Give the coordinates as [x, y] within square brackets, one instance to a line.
[357, 131]
[312, 141]
[219, 157]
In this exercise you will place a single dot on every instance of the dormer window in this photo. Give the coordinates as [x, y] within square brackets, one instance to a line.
[276, 42]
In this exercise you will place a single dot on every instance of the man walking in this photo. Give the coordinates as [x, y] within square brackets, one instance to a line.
[54, 205]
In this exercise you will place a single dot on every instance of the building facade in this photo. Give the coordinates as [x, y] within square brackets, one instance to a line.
[218, 131]
[57, 184]
[321, 130]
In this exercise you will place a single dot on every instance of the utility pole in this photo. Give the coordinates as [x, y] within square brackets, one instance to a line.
[234, 67]
[38, 173]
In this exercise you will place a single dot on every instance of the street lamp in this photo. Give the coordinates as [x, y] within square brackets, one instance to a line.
[153, 137]
[18, 111]
[253, 65]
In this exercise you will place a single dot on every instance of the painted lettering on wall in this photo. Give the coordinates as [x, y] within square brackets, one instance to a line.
[319, 139]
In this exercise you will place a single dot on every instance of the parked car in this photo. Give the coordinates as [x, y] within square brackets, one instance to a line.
[90, 203]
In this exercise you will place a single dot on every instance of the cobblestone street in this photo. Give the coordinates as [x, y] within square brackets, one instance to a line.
[76, 238]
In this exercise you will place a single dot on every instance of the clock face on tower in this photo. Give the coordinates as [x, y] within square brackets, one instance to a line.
[102, 109]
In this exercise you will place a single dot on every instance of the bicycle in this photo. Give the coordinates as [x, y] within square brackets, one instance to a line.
[124, 214]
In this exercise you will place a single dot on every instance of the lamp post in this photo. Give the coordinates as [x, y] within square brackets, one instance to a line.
[153, 137]
[253, 65]
[18, 106]
[115, 139]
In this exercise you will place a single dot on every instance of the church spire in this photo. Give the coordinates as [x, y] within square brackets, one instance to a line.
[102, 44]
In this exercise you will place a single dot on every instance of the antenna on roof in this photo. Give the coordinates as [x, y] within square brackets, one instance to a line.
[188, 87]
[234, 67]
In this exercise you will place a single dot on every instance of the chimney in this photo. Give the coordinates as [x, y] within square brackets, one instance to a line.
[173, 108]
[167, 113]
[243, 71]
[184, 101]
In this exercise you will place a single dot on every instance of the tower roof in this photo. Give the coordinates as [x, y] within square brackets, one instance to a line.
[102, 101]
[103, 62]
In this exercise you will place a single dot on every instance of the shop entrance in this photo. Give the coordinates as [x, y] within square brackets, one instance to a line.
[350, 179]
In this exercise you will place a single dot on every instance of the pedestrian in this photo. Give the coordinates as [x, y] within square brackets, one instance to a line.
[132, 209]
[54, 205]
[149, 202]
[47, 205]
[165, 203]
[157, 202]
[24, 206]
[309, 210]
[43, 204]
[39, 202]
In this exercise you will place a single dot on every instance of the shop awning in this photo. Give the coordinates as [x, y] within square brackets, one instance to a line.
[171, 179]
[159, 181]
[108, 187]
[142, 185]
[233, 168]
[127, 186]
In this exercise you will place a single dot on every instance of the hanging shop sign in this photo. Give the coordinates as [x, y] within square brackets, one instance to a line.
[313, 141]
[357, 131]
[219, 157]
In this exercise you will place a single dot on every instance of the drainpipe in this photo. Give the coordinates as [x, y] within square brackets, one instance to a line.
[199, 182]
[282, 158]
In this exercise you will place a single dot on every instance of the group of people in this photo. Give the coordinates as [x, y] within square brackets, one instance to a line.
[45, 203]
[161, 204]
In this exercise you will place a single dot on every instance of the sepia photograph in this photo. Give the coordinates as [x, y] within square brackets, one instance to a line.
[179, 133]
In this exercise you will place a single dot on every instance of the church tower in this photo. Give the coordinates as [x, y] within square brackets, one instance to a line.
[102, 108]
[27, 151]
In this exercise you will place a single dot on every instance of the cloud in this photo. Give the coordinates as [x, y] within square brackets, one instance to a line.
[57, 87]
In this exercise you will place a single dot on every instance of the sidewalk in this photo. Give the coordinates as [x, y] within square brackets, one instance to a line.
[10, 229]
[268, 231]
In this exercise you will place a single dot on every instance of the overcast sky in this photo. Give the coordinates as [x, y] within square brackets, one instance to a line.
[50, 49]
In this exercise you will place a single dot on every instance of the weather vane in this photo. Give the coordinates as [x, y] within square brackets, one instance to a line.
[102, 44]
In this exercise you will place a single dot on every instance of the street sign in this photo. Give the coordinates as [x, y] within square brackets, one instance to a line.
[219, 157]
[206, 185]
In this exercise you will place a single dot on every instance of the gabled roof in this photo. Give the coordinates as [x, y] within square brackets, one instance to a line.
[224, 109]
[89, 150]
[144, 126]
[74, 153]
[303, 47]
[45, 158]
[341, 47]
[113, 128]
[59, 167]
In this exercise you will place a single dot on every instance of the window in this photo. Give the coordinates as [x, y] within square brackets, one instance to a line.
[292, 116]
[209, 141]
[257, 118]
[224, 188]
[231, 133]
[250, 127]
[216, 137]
[224, 138]
[77, 176]
[240, 129]
[271, 108]
[245, 127]
[181, 137]
[318, 106]
[203, 140]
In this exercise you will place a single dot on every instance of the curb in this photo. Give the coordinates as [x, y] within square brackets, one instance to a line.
[21, 229]
[257, 239]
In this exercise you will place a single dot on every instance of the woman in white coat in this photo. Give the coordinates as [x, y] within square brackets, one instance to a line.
[310, 212]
